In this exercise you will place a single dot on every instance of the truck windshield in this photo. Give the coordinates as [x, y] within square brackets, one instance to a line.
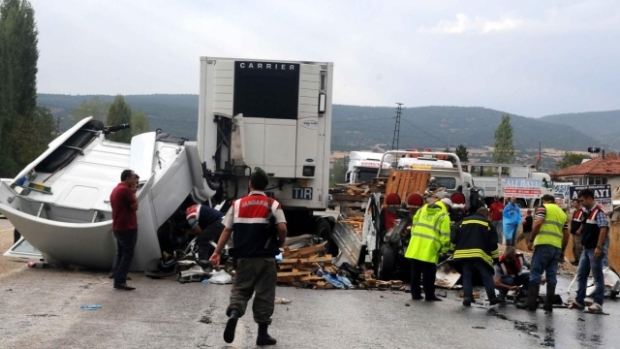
[447, 182]
[366, 174]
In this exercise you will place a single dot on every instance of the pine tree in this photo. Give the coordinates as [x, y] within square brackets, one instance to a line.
[119, 113]
[504, 150]
[462, 153]
[24, 128]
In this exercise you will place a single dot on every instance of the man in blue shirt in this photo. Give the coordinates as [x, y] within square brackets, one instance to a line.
[206, 222]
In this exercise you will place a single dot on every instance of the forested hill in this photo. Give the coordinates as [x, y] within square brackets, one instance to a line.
[359, 127]
[603, 126]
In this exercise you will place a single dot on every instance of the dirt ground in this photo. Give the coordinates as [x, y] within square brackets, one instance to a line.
[8, 266]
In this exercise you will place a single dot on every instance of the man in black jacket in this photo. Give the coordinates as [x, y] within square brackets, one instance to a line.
[475, 241]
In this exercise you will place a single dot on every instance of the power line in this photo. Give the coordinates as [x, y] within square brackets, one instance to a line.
[361, 120]
[421, 130]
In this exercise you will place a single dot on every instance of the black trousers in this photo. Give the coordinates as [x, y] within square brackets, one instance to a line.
[209, 233]
[425, 271]
[125, 247]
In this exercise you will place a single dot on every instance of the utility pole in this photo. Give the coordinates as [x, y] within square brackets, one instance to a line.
[399, 111]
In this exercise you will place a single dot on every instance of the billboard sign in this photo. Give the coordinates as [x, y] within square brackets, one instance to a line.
[522, 188]
[602, 194]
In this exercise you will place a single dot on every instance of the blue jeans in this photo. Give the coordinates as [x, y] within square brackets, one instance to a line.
[605, 249]
[588, 263]
[545, 259]
[469, 266]
[522, 280]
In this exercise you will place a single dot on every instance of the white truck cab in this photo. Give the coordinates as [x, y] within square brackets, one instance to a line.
[445, 172]
[363, 166]
[491, 177]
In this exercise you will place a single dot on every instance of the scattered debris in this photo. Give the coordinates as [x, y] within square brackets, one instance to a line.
[37, 265]
[42, 315]
[479, 327]
[476, 294]
[206, 319]
[221, 277]
[282, 301]
[9, 290]
[549, 340]
[91, 306]
[407, 304]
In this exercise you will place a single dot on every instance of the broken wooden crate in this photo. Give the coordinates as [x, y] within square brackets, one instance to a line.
[406, 182]
[298, 266]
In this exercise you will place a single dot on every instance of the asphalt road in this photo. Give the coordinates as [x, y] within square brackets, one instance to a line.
[40, 308]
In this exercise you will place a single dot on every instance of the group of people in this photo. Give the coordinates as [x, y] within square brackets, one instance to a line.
[259, 229]
[474, 242]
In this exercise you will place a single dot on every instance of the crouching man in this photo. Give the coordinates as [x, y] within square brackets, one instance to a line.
[256, 246]
[509, 275]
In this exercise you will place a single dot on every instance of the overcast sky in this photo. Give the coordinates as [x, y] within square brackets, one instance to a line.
[529, 58]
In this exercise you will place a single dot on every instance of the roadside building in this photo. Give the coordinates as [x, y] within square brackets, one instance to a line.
[604, 169]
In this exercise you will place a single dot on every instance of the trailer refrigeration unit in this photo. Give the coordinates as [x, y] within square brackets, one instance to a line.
[275, 115]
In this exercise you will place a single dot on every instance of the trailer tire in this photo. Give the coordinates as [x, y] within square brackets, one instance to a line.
[386, 263]
[324, 231]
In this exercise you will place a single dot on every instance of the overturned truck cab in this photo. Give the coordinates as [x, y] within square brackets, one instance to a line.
[60, 202]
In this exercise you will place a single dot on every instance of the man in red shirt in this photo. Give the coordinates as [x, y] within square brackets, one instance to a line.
[496, 214]
[125, 225]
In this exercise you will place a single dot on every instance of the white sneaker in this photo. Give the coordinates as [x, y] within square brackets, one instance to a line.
[596, 308]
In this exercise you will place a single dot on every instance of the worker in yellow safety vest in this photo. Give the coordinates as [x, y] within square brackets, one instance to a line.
[430, 236]
[548, 239]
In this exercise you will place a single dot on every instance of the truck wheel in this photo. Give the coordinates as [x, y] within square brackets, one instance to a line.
[386, 263]
[324, 231]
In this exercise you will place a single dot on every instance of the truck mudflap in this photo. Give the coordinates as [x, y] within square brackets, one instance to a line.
[349, 243]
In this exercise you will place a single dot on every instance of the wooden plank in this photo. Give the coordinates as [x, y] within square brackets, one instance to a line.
[286, 279]
[327, 258]
[312, 278]
[297, 273]
[307, 251]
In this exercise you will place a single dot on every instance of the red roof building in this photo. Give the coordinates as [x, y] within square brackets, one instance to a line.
[600, 170]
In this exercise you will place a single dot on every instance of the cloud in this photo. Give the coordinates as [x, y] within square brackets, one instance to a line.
[463, 24]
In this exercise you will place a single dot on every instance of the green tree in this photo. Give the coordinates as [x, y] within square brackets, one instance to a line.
[119, 113]
[32, 135]
[24, 128]
[96, 108]
[338, 172]
[504, 150]
[139, 123]
[462, 152]
[569, 159]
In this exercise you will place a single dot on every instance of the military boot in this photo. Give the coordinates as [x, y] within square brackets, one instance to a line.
[263, 337]
[550, 298]
[231, 326]
[532, 298]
